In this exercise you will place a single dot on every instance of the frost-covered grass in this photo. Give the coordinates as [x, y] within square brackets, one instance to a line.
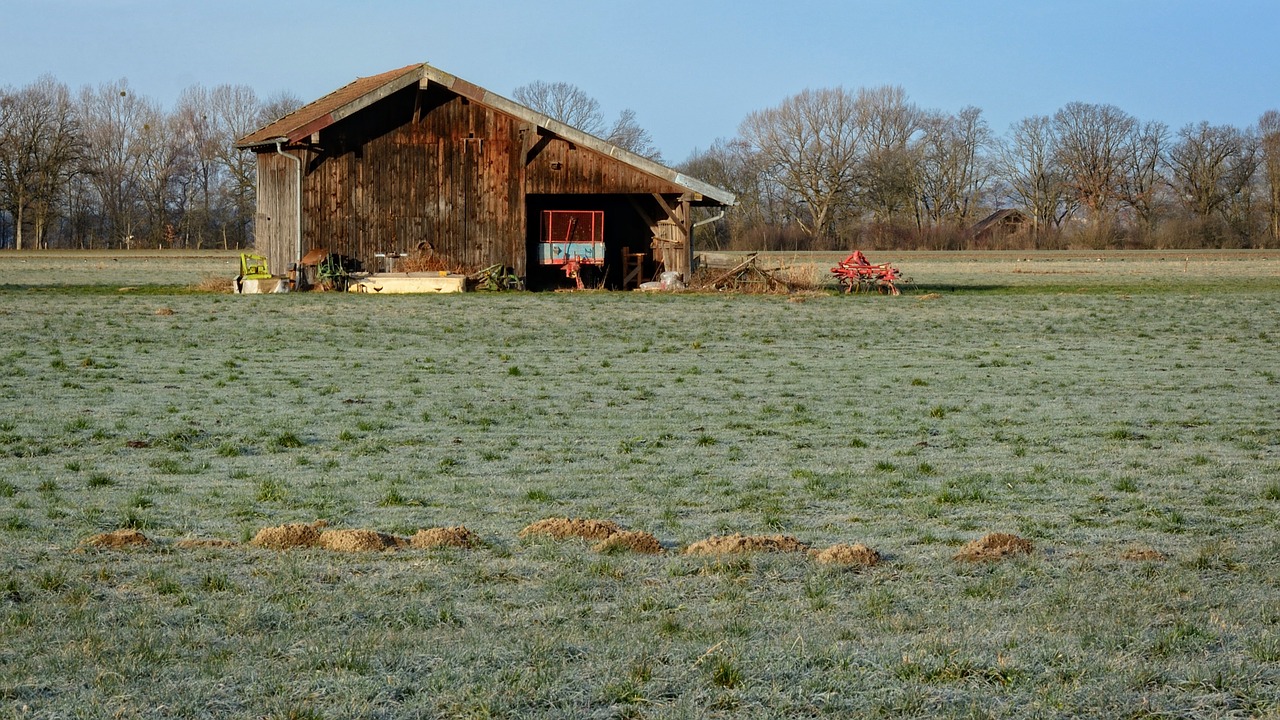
[1094, 422]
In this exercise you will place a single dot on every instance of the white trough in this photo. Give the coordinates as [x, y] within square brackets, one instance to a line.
[413, 282]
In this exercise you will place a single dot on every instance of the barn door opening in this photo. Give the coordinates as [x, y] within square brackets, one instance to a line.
[623, 228]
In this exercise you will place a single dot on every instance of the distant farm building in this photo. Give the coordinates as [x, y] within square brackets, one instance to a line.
[991, 231]
[416, 159]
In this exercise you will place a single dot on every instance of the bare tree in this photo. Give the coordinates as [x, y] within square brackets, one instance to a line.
[277, 106]
[954, 171]
[113, 117]
[198, 135]
[1092, 146]
[1142, 176]
[734, 166]
[891, 127]
[164, 174]
[234, 111]
[564, 102]
[627, 134]
[1027, 161]
[1269, 137]
[39, 144]
[810, 145]
[1211, 165]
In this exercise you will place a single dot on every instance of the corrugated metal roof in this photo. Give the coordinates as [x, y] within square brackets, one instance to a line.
[363, 92]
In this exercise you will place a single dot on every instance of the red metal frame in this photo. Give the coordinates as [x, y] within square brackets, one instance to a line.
[573, 231]
[856, 273]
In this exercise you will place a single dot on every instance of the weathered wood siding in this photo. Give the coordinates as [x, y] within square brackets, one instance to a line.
[276, 219]
[430, 166]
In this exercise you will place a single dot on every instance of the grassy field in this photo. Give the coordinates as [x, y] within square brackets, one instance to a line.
[1120, 411]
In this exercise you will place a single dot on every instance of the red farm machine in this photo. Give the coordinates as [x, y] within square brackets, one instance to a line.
[856, 274]
[572, 240]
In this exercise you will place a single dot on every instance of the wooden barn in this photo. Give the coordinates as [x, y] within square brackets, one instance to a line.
[416, 159]
[995, 228]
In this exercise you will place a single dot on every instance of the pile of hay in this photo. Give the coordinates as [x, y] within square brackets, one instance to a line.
[359, 540]
[214, 284]
[847, 555]
[739, 543]
[1143, 554]
[192, 543]
[637, 541]
[118, 539]
[458, 536]
[995, 546]
[291, 535]
[561, 528]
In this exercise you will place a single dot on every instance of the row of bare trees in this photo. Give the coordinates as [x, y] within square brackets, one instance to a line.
[832, 168]
[109, 168]
[829, 168]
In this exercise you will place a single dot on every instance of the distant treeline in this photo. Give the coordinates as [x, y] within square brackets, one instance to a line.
[826, 169]
[109, 168]
[833, 168]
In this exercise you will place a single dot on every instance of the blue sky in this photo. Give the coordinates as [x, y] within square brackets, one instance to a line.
[691, 71]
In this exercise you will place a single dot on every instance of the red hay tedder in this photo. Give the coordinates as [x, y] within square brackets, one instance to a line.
[856, 274]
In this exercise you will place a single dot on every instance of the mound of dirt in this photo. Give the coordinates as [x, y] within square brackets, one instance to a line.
[458, 536]
[844, 554]
[995, 546]
[291, 535]
[637, 541]
[192, 543]
[164, 311]
[123, 537]
[359, 540]
[1143, 554]
[739, 543]
[561, 528]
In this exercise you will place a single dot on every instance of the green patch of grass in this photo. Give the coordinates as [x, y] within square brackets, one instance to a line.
[271, 490]
[724, 672]
[216, 582]
[100, 480]
[286, 441]
[1271, 491]
[1126, 485]
[539, 496]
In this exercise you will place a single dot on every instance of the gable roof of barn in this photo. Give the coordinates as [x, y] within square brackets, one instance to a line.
[363, 92]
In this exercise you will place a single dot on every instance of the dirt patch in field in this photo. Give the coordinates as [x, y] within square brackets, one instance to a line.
[164, 311]
[929, 296]
[847, 555]
[121, 538]
[561, 528]
[359, 540]
[637, 541]
[1142, 554]
[739, 543]
[194, 543]
[291, 535]
[458, 536]
[995, 546]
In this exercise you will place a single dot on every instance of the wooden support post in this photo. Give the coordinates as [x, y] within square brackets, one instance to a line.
[632, 268]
